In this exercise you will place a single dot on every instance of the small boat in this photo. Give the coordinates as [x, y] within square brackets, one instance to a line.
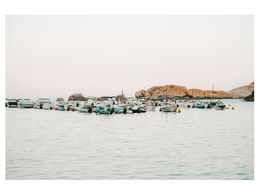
[47, 106]
[220, 105]
[26, 103]
[119, 110]
[60, 107]
[169, 108]
[207, 105]
[12, 103]
[213, 103]
[138, 109]
[41, 101]
[199, 105]
[85, 107]
[101, 109]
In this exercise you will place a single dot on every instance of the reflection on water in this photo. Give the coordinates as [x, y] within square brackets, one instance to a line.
[196, 144]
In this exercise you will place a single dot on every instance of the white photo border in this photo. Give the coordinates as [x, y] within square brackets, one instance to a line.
[134, 7]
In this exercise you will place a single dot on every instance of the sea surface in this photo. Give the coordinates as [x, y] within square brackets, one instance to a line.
[195, 144]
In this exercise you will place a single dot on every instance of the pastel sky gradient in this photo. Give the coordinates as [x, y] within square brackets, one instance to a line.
[56, 56]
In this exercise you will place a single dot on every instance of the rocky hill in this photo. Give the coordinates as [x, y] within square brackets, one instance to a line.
[172, 91]
[77, 97]
[242, 92]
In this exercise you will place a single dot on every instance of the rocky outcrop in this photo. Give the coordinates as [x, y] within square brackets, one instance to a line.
[242, 92]
[196, 93]
[141, 94]
[60, 100]
[172, 91]
[217, 94]
[163, 91]
[77, 97]
[250, 98]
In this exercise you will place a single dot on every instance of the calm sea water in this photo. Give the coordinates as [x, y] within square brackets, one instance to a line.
[195, 144]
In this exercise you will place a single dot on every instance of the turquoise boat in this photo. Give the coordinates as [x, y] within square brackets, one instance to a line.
[103, 110]
[200, 105]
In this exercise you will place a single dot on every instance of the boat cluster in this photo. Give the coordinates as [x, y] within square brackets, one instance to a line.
[115, 106]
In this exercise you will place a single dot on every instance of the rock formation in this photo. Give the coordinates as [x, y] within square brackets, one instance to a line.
[250, 98]
[196, 93]
[163, 91]
[216, 94]
[77, 97]
[242, 92]
[60, 99]
[141, 93]
[172, 91]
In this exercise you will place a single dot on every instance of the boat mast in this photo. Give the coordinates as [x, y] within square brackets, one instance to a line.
[212, 91]
[166, 95]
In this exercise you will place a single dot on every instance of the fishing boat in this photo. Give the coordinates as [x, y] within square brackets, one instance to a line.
[26, 103]
[12, 103]
[220, 105]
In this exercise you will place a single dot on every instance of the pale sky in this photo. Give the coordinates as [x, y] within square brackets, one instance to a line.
[56, 56]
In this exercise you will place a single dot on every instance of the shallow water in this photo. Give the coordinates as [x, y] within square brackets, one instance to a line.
[195, 144]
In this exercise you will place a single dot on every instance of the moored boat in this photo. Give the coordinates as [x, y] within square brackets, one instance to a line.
[41, 101]
[138, 109]
[26, 103]
[200, 105]
[168, 108]
[102, 109]
[47, 106]
[220, 105]
[12, 103]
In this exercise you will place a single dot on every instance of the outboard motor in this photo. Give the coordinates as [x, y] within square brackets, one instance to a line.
[112, 110]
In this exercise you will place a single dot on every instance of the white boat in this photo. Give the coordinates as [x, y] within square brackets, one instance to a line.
[26, 103]
[47, 106]
[85, 107]
[41, 101]
[138, 109]
[220, 105]
[168, 108]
